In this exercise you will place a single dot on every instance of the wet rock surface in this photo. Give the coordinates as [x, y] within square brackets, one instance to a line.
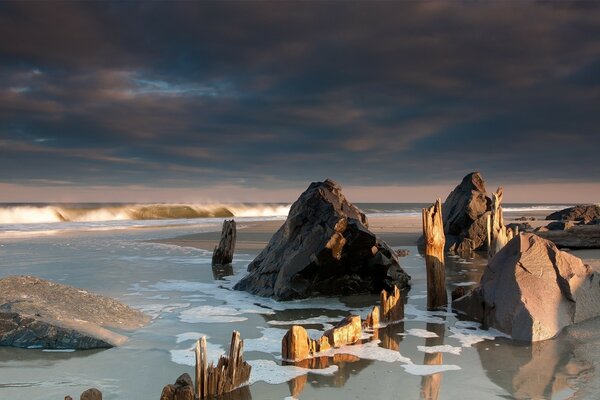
[35, 313]
[323, 248]
[465, 214]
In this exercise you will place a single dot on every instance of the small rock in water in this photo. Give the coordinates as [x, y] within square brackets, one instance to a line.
[91, 394]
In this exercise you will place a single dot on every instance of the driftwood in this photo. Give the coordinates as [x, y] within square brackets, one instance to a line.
[223, 253]
[433, 233]
[497, 233]
[296, 345]
[391, 309]
[230, 372]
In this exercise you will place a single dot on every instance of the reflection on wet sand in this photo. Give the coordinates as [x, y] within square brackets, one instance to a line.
[536, 370]
[430, 384]
[221, 271]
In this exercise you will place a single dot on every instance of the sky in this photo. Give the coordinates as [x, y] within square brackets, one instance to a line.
[251, 101]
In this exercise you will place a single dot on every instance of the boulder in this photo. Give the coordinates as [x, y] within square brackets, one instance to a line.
[91, 394]
[323, 248]
[183, 389]
[531, 290]
[465, 213]
[35, 313]
[582, 212]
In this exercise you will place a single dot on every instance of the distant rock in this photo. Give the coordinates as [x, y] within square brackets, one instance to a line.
[582, 212]
[572, 236]
[560, 225]
[522, 227]
[323, 248]
[35, 313]
[531, 290]
[465, 214]
[525, 219]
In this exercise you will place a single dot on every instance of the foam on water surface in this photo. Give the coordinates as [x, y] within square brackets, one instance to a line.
[272, 373]
[187, 336]
[422, 333]
[445, 348]
[416, 369]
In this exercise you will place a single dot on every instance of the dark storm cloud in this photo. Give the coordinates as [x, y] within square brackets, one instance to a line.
[276, 93]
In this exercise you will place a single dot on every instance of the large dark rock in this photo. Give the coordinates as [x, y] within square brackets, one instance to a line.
[323, 248]
[582, 212]
[36, 313]
[465, 213]
[531, 290]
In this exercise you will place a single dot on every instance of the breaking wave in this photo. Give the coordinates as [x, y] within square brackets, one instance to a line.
[29, 214]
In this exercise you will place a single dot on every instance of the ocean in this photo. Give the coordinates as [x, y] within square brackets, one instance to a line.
[109, 249]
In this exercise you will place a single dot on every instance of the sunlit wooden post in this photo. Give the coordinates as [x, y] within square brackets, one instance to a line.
[433, 233]
[498, 235]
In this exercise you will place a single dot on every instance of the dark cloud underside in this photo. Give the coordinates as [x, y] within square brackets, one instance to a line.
[270, 94]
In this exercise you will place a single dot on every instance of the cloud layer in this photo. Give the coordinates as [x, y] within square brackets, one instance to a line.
[271, 95]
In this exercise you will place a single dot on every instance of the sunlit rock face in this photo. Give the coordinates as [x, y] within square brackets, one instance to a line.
[531, 290]
[323, 248]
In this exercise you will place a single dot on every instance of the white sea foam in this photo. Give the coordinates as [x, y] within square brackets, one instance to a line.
[187, 336]
[269, 342]
[416, 369]
[445, 348]
[155, 310]
[470, 283]
[188, 356]
[422, 333]
[270, 372]
[368, 351]
[468, 333]
[307, 321]
[211, 314]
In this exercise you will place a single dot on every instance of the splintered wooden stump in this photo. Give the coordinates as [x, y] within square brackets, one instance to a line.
[296, 345]
[391, 309]
[433, 233]
[347, 331]
[498, 234]
[230, 372]
[223, 253]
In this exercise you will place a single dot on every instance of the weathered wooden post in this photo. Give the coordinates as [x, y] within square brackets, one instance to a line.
[223, 253]
[230, 372]
[433, 233]
[498, 235]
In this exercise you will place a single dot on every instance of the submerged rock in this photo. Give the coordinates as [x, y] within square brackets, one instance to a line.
[531, 290]
[465, 214]
[323, 248]
[183, 389]
[573, 237]
[582, 212]
[35, 313]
